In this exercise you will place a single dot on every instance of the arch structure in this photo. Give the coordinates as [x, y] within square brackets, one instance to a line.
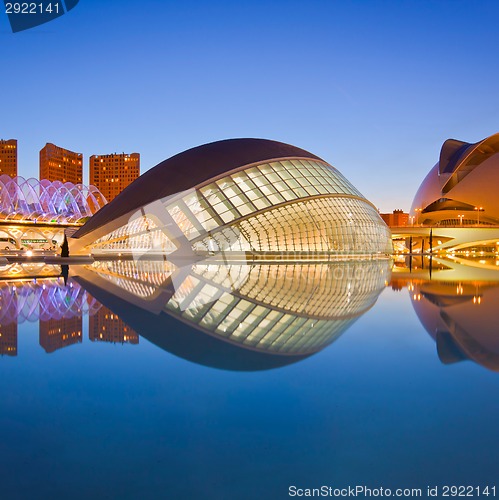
[460, 190]
[31, 200]
[239, 196]
[43, 299]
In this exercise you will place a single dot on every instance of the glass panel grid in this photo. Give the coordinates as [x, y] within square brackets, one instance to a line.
[342, 225]
[333, 294]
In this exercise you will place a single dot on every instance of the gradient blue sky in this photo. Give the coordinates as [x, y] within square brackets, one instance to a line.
[374, 87]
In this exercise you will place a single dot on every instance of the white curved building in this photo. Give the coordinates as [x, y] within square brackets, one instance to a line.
[246, 196]
[461, 189]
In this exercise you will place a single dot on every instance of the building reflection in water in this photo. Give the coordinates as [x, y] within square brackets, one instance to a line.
[457, 306]
[105, 326]
[251, 317]
[234, 316]
[8, 339]
[58, 333]
[237, 316]
[60, 309]
[36, 293]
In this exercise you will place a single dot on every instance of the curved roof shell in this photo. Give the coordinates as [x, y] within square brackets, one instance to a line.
[462, 182]
[237, 196]
[190, 168]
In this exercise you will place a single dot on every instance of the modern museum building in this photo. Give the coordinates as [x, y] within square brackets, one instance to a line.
[249, 197]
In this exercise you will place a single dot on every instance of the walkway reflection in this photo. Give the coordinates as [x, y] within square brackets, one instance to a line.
[457, 306]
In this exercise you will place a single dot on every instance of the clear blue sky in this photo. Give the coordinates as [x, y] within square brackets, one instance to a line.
[374, 87]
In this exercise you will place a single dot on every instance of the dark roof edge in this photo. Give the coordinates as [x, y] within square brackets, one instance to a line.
[188, 169]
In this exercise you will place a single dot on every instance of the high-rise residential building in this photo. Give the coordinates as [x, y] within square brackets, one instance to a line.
[112, 173]
[8, 157]
[105, 326]
[59, 164]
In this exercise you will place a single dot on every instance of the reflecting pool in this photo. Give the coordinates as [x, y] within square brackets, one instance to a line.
[145, 379]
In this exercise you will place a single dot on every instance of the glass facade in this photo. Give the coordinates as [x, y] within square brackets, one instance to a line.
[280, 206]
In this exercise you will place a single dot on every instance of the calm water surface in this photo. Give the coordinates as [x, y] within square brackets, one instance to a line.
[149, 381]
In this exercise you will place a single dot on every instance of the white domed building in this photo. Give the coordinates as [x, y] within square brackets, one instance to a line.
[239, 197]
[461, 189]
[456, 208]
